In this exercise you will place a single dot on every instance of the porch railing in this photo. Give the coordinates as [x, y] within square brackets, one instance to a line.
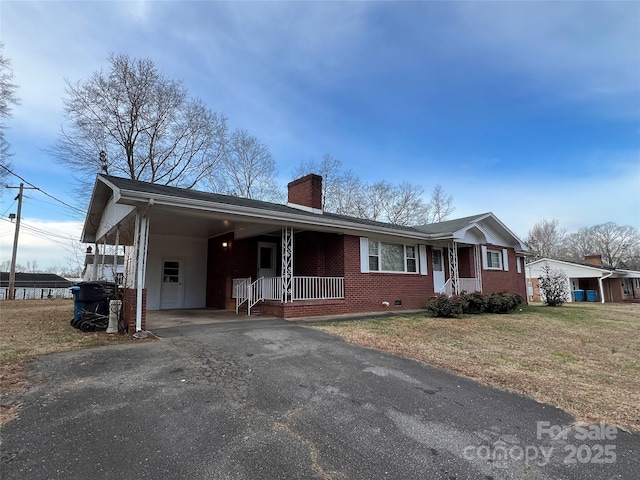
[469, 285]
[318, 288]
[270, 288]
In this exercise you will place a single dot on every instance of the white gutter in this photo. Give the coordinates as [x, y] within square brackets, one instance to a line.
[601, 287]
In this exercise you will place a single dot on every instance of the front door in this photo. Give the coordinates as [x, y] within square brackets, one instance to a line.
[172, 294]
[267, 259]
[438, 269]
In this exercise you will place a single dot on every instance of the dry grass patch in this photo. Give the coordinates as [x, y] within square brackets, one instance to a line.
[583, 358]
[30, 328]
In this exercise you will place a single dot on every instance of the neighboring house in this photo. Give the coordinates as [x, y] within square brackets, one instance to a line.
[192, 249]
[589, 281]
[35, 285]
[109, 268]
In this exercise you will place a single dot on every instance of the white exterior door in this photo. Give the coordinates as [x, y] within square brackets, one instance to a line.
[438, 269]
[267, 259]
[172, 292]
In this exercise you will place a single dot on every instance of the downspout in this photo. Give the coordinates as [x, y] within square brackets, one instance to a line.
[601, 287]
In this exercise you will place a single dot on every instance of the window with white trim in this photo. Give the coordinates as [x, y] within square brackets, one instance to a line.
[392, 257]
[494, 259]
[410, 255]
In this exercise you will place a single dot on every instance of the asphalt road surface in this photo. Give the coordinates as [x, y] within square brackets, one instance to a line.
[274, 400]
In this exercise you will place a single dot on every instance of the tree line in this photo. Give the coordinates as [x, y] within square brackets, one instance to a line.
[619, 245]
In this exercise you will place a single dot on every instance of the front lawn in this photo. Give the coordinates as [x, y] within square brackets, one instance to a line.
[583, 358]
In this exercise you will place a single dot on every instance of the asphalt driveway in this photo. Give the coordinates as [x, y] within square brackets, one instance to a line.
[270, 399]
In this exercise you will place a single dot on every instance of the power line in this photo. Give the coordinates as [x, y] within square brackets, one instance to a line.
[45, 235]
[51, 205]
[42, 191]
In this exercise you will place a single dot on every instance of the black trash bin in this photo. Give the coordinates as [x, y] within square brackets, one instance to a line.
[94, 298]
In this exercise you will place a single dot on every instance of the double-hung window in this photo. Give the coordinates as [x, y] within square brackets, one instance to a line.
[392, 257]
[494, 259]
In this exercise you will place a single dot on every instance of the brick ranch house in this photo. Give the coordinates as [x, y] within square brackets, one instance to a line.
[610, 284]
[191, 249]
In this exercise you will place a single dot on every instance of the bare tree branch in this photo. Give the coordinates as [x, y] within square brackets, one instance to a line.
[147, 124]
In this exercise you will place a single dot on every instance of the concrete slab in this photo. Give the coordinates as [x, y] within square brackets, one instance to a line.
[158, 319]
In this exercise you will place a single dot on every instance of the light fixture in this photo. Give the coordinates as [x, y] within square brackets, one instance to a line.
[225, 244]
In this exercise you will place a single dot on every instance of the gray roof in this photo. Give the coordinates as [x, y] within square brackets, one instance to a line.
[438, 230]
[450, 226]
[35, 280]
[185, 193]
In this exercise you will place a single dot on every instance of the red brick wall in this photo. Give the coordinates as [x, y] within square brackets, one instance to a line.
[365, 292]
[318, 254]
[496, 281]
[306, 191]
[239, 259]
[613, 289]
[129, 307]
[466, 264]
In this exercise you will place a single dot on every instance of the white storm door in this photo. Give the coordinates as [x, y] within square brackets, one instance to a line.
[266, 259]
[438, 269]
[172, 292]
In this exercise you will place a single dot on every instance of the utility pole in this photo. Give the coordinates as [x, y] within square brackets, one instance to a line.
[12, 272]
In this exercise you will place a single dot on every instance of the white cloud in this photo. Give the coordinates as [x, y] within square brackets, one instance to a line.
[45, 242]
[575, 202]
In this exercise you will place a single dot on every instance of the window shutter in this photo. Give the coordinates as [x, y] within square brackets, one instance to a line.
[364, 255]
[422, 255]
[519, 264]
[484, 257]
[505, 260]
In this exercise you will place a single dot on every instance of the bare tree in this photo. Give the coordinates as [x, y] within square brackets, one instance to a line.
[440, 205]
[402, 204]
[348, 198]
[7, 99]
[246, 170]
[545, 239]
[32, 266]
[146, 123]
[617, 244]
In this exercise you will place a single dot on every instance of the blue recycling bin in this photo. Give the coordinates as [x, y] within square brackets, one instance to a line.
[578, 295]
[592, 296]
[77, 304]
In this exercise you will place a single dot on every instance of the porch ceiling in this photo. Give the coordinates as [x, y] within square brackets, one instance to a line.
[168, 221]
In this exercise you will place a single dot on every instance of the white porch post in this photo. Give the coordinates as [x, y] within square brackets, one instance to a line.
[477, 252]
[94, 272]
[115, 255]
[104, 251]
[287, 264]
[142, 228]
[453, 268]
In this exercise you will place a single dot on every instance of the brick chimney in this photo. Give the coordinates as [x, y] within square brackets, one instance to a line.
[593, 259]
[306, 192]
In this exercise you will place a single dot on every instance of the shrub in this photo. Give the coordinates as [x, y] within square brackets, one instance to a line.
[503, 302]
[444, 306]
[473, 303]
[553, 286]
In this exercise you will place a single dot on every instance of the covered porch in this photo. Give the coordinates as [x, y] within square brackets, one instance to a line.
[461, 268]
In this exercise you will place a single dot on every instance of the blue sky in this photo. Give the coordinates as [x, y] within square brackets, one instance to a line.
[527, 109]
